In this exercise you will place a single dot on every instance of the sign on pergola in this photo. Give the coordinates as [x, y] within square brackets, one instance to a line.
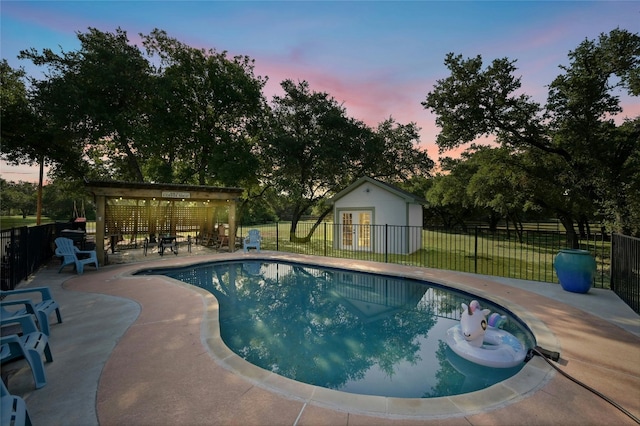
[134, 211]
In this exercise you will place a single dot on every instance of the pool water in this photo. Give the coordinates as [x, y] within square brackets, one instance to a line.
[353, 332]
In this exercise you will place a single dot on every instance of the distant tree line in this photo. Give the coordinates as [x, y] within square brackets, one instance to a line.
[60, 198]
[166, 112]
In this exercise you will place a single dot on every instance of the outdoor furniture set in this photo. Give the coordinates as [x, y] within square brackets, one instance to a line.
[164, 242]
[27, 336]
[220, 239]
[216, 239]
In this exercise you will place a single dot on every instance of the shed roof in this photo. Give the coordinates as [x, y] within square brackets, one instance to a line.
[407, 196]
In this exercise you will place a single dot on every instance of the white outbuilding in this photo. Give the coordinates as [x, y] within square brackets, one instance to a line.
[371, 215]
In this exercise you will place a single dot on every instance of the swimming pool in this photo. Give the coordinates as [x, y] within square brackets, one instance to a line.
[361, 333]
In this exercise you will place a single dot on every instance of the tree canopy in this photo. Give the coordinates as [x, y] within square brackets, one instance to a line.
[573, 157]
[315, 150]
[168, 112]
[172, 114]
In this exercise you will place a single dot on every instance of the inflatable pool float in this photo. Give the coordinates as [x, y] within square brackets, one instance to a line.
[480, 341]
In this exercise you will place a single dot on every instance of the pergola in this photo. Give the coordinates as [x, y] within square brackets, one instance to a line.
[134, 211]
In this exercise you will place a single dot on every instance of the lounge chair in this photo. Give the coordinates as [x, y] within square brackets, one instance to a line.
[252, 240]
[208, 239]
[41, 309]
[70, 253]
[14, 409]
[30, 345]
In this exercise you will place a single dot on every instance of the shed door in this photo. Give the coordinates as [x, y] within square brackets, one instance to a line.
[356, 230]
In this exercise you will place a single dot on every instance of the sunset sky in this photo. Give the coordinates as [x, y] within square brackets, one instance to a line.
[379, 59]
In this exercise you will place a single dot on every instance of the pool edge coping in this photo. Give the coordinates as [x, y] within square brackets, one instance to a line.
[532, 377]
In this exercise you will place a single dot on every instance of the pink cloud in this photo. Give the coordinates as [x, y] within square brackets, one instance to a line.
[630, 110]
[370, 98]
[22, 173]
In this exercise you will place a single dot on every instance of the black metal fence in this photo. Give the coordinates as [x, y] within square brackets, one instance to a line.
[524, 254]
[23, 251]
[625, 269]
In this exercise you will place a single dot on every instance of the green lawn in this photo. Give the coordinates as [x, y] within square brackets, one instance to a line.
[501, 254]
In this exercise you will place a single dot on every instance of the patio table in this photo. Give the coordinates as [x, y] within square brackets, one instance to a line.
[168, 242]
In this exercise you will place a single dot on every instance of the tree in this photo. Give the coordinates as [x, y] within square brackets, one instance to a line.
[191, 117]
[448, 196]
[574, 135]
[392, 153]
[313, 150]
[309, 145]
[25, 133]
[19, 196]
[96, 97]
[61, 195]
[582, 104]
[207, 109]
[16, 115]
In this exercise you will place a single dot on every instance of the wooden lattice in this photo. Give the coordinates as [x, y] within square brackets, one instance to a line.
[132, 220]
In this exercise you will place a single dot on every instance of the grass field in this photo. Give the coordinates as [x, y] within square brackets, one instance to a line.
[500, 254]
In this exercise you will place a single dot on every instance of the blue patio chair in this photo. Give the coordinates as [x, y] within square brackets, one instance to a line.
[69, 254]
[41, 309]
[31, 345]
[14, 409]
[252, 240]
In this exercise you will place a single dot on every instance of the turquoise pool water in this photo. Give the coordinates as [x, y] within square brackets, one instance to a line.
[353, 332]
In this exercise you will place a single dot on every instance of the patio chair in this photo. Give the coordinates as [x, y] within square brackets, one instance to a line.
[252, 240]
[14, 409]
[30, 345]
[152, 242]
[41, 309]
[70, 253]
[208, 239]
[223, 238]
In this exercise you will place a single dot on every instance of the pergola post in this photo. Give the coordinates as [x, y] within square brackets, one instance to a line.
[232, 225]
[100, 218]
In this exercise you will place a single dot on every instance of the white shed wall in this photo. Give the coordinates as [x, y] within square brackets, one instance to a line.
[387, 209]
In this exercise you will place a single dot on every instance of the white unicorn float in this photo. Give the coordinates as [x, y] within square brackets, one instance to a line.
[479, 339]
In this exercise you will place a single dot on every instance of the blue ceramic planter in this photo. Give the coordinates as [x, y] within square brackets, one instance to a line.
[576, 270]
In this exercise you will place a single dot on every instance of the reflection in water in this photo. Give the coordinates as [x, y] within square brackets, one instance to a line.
[360, 333]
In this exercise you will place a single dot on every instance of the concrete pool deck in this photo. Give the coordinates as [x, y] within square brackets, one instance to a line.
[145, 350]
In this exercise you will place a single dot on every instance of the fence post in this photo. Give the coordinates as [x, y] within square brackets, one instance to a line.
[325, 237]
[613, 269]
[475, 252]
[386, 243]
[15, 260]
[277, 236]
